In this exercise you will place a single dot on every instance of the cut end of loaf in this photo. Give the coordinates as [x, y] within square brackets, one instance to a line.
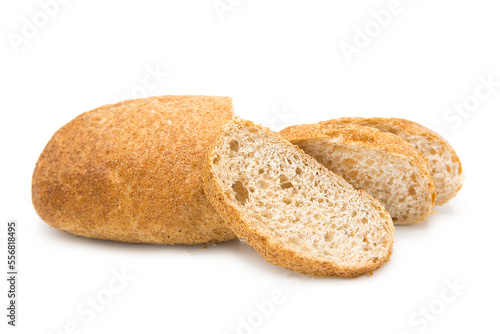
[294, 211]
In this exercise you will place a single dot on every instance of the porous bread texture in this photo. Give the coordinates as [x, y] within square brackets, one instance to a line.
[292, 210]
[444, 164]
[387, 167]
[131, 172]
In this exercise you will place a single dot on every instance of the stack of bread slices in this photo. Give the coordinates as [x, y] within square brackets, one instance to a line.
[320, 199]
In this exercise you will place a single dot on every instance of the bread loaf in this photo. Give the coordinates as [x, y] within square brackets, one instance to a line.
[132, 172]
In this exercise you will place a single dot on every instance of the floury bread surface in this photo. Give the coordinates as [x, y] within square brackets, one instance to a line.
[296, 213]
[132, 172]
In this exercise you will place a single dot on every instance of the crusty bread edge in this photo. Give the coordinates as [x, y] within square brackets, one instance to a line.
[273, 252]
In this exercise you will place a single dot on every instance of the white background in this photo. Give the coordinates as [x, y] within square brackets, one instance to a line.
[283, 64]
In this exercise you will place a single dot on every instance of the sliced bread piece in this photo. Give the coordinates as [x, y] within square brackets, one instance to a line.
[296, 213]
[386, 166]
[444, 164]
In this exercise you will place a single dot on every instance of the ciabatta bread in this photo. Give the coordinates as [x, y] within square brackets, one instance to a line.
[296, 213]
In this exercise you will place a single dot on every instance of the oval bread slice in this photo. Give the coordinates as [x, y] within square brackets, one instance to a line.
[386, 166]
[444, 164]
[131, 172]
[296, 213]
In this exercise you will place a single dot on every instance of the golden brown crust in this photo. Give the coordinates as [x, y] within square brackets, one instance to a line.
[407, 129]
[357, 136]
[273, 252]
[132, 172]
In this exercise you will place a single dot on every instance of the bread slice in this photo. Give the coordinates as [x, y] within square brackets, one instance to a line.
[296, 213]
[387, 167]
[131, 172]
[444, 164]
